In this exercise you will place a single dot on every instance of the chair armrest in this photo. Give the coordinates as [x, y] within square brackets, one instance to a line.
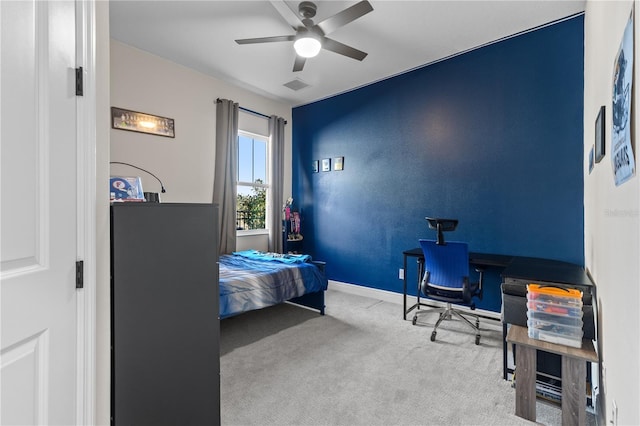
[480, 270]
[480, 278]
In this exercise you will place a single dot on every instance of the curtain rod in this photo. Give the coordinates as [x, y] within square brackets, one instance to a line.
[250, 111]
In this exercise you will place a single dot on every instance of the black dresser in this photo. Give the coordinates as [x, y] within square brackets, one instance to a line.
[165, 356]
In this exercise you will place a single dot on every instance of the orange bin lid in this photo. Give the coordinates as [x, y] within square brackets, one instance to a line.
[554, 291]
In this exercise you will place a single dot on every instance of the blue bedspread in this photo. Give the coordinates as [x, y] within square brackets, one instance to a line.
[274, 257]
[248, 284]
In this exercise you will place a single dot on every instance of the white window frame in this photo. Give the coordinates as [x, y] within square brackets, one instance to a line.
[267, 186]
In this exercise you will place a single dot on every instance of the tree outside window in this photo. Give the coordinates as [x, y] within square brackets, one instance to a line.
[251, 207]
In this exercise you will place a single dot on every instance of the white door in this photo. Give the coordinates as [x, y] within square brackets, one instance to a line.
[38, 212]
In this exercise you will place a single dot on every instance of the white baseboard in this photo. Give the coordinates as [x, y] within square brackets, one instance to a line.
[392, 297]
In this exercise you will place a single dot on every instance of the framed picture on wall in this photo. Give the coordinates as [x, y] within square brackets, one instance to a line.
[600, 135]
[326, 164]
[135, 121]
[338, 163]
[316, 166]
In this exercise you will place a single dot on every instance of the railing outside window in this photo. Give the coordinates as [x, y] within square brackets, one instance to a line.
[246, 220]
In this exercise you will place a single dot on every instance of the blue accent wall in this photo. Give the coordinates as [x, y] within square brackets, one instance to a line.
[493, 137]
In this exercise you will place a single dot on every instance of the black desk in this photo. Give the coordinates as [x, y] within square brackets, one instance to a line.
[546, 270]
[516, 268]
[518, 271]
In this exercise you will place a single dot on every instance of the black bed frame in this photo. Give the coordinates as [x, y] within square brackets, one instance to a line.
[313, 300]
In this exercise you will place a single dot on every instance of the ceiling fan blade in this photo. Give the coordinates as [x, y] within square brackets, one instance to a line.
[287, 14]
[342, 18]
[342, 49]
[265, 39]
[299, 63]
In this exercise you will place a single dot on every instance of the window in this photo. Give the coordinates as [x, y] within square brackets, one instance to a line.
[252, 181]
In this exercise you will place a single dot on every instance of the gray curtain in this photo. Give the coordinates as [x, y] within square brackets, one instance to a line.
[224, 181]
[276, 133]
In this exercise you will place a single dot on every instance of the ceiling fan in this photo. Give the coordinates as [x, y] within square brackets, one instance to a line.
[310, 37]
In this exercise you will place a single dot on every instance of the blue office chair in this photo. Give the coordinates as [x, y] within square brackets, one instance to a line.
[446, 279]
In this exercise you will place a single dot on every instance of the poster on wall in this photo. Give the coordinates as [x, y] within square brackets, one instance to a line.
[622, 158]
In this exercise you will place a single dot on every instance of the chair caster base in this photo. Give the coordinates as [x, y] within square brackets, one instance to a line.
[477, 339]
[415, 320]
[433, 336]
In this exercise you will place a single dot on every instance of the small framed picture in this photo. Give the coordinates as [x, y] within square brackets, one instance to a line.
[338, 163]
[126, 188]
[600, 135]
[316, 166]
[326, 164]
[591, 160]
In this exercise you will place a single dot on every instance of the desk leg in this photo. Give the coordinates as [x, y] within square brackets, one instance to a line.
[420, 264]
[404, 288]
[526, 383]
[504, 350]
[574, 397]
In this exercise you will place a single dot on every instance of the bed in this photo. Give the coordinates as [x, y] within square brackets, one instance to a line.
[252, 280]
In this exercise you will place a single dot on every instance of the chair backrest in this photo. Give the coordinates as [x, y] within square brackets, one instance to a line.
[447, 264]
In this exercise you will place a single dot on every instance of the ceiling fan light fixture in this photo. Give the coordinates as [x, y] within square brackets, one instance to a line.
[307, 46]
[310, 38]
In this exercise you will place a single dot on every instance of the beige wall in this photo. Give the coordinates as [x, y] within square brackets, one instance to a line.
[612, 233]
[185, 164]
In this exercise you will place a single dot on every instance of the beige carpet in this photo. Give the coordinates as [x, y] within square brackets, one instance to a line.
[362, 364]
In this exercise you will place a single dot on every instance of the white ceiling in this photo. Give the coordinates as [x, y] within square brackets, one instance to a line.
[397, 35]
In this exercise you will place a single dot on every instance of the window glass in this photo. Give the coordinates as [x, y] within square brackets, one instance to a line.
[245, 168]
[260, 160]
[252, 185]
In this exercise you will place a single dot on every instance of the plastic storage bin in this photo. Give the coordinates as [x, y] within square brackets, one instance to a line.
[554, 309]
[543, 317]
[554, 315]
[553, 333]
[554, 295]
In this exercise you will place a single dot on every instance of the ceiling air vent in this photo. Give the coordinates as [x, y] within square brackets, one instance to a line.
[296, 84]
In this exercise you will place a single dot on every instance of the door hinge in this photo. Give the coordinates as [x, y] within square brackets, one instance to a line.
[79, 274]
[79, 85]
